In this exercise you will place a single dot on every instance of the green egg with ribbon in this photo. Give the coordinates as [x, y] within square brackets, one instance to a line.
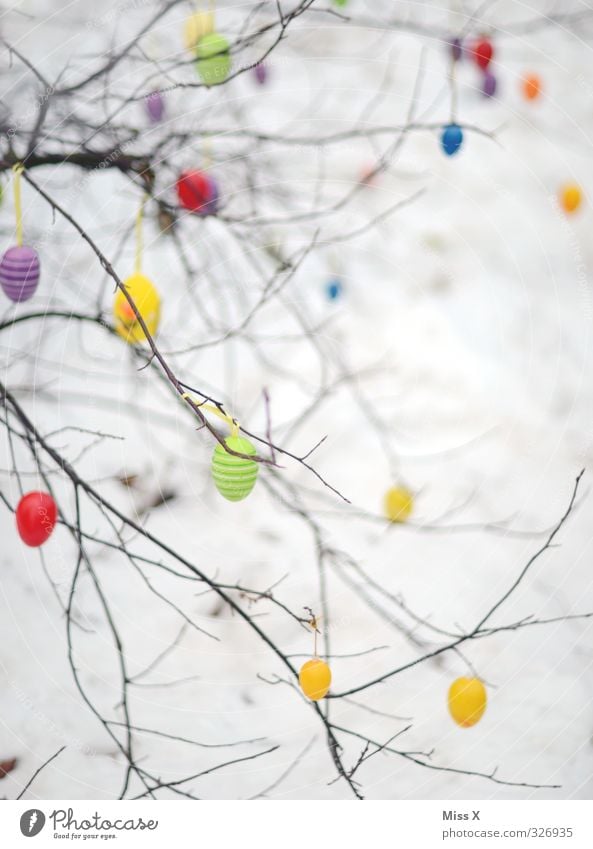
[213, 59]
[234, 477]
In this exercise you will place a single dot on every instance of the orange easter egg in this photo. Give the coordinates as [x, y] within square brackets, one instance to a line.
[467, 701]
[398, 504]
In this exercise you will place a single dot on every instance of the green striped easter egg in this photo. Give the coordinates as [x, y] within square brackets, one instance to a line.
[234, 477]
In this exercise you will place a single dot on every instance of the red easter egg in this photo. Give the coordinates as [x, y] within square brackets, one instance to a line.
[36, 516]
[196, 191]
[483, 53]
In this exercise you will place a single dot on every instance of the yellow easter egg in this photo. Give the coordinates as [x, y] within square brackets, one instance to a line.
[315, 677]
[147, 301]
[196, 27]
[398, 504]
[467, 701]
[571, 198]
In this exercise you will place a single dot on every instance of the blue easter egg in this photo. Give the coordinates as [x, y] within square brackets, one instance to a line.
[333, 289]
[451, 139]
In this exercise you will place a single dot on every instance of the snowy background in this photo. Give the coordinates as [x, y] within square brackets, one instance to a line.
[466, 319]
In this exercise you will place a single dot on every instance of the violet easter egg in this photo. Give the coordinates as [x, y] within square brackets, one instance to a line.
[198, 192]
[571, 198]
[467, 701]
[260, 72]
[155, 106]
[213, 59]
[234, 477]
[196, 27]
[19, 273]
[315, 679]
[148, 303]
[489, 84]
[451, 139]
[36, 516]
[398, 504]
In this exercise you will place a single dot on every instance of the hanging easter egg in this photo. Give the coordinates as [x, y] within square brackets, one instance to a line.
[334, 289]
[148, 304]
[456, 47]
[531, 87]
[315, 678]
[489, 84]
[155, 106]
[467, 701]
[398, 504]
[234, 477]
[36, 516]
[196, 27]
[19, 273]
[483, 51]
[341, 3]
[260, 72]
[451, 139]
[198, 192]
[214, 59]
[571, 198]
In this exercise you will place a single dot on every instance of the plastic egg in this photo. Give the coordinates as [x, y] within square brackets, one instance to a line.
[489, 84]
[456, 47]
[334, 289]
[234, 477]
[315, 678]
[148, 303]
[155, 106]
[36, 516]
[571, 198]
[483, 51]
[196, 27]
[451, 139]
[19, 273]
[531, 87]
[467, 701]
[214, 59]
[398, 504]
[198, 192]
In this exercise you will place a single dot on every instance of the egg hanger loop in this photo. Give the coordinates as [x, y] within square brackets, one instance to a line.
[232, 422]
[17, 171]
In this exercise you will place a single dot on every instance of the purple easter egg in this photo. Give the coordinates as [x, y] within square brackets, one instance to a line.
[489, 84]
[155, 106]
[19, 273]
[456, 46]
[261, 73]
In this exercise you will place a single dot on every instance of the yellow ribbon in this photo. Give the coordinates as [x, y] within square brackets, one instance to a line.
[17, 171]
[233, 423]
